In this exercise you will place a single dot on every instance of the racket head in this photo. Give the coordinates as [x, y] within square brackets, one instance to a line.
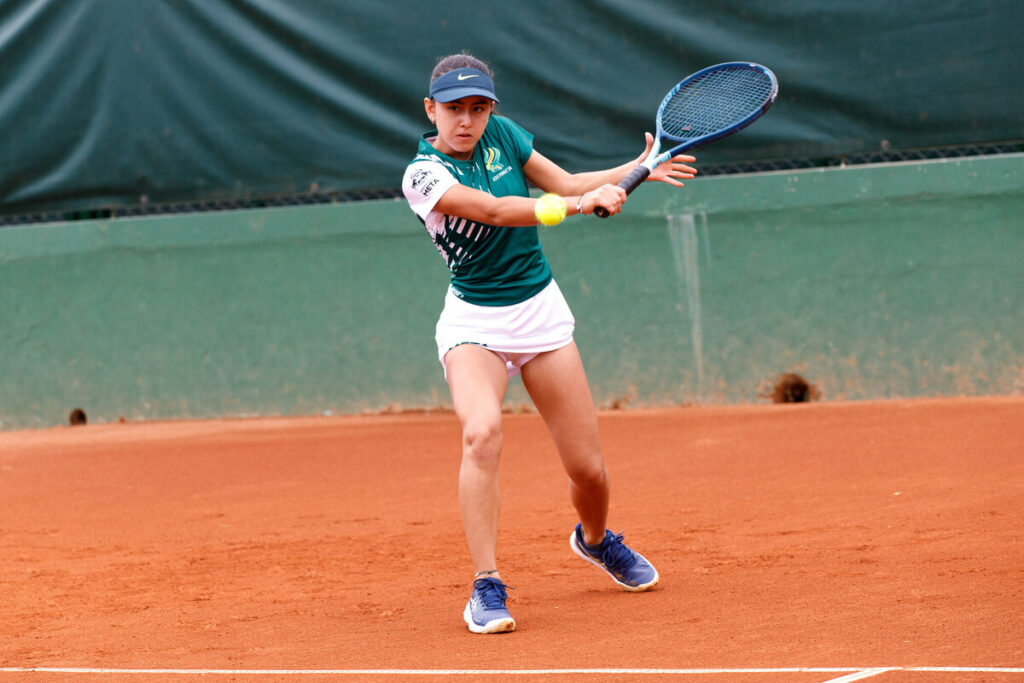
[715, 102]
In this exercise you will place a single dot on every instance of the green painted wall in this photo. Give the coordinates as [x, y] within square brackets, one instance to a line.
[871, 281]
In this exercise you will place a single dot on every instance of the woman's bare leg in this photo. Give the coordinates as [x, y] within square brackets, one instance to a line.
[558, 386]
[478, 380]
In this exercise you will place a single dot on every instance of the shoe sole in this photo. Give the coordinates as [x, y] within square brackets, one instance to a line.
[493, 626]
[632, 589]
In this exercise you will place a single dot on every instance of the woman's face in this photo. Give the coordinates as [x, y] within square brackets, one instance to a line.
[460, 124]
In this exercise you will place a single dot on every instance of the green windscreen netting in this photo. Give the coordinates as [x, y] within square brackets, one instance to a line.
[126, 104]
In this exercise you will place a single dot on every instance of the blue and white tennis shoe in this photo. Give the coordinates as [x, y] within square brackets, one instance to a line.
[628, 568]
[486, 612]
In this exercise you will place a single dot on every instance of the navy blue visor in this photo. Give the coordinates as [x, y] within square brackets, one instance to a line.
[460, 83]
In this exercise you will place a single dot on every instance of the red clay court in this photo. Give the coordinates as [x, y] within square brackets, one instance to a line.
[873, 541]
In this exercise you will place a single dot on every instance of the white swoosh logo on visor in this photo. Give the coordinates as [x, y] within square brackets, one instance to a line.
[462, 78]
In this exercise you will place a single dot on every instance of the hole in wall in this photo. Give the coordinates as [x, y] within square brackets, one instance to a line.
[791, 388]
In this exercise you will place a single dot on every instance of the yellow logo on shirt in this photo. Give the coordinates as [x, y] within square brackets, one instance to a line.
[492, 159]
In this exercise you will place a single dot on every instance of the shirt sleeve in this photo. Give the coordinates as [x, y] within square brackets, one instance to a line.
[424, 183]
[518, 140]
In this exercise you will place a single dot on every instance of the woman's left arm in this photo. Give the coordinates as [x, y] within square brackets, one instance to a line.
[550, 177]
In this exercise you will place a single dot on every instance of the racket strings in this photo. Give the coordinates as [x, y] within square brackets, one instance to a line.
[716, 100]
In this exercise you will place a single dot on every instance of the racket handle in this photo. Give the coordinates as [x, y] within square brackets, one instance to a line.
[629, 183]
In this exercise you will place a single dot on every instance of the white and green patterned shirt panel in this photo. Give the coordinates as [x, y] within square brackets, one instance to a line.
[490, 265]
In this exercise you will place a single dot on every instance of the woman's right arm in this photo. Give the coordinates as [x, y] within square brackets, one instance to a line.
[514, 212]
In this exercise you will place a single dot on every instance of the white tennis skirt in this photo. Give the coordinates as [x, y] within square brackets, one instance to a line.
[516, 333]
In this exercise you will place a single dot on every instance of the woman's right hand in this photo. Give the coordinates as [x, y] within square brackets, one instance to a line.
[611, 197]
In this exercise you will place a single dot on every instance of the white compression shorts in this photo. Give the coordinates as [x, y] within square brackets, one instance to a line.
[515, 333]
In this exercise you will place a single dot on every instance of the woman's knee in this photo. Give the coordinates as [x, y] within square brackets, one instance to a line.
[589, 476]
[481, 440]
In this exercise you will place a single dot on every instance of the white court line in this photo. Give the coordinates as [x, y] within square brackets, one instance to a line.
[414, 672]
[853, 673]
[858, 676]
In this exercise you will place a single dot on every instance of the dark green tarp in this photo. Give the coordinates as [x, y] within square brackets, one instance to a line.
[116, 103]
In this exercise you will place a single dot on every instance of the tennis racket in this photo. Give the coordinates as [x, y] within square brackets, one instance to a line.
[709, 105]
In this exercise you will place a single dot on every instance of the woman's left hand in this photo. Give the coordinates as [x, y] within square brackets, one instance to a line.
[672, 171]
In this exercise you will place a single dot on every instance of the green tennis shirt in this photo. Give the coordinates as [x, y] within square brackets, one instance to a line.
[490, 265]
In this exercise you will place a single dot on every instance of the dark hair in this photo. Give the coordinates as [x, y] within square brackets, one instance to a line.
[460, 61]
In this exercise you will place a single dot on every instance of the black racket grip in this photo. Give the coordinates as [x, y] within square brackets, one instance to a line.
[629, 183]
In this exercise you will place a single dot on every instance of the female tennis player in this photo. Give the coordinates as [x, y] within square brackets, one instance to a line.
[504, 315]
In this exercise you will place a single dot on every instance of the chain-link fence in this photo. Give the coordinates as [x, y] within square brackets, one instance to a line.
[879, 157]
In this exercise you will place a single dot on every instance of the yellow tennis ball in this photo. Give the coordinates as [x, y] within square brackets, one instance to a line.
[550, 209]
